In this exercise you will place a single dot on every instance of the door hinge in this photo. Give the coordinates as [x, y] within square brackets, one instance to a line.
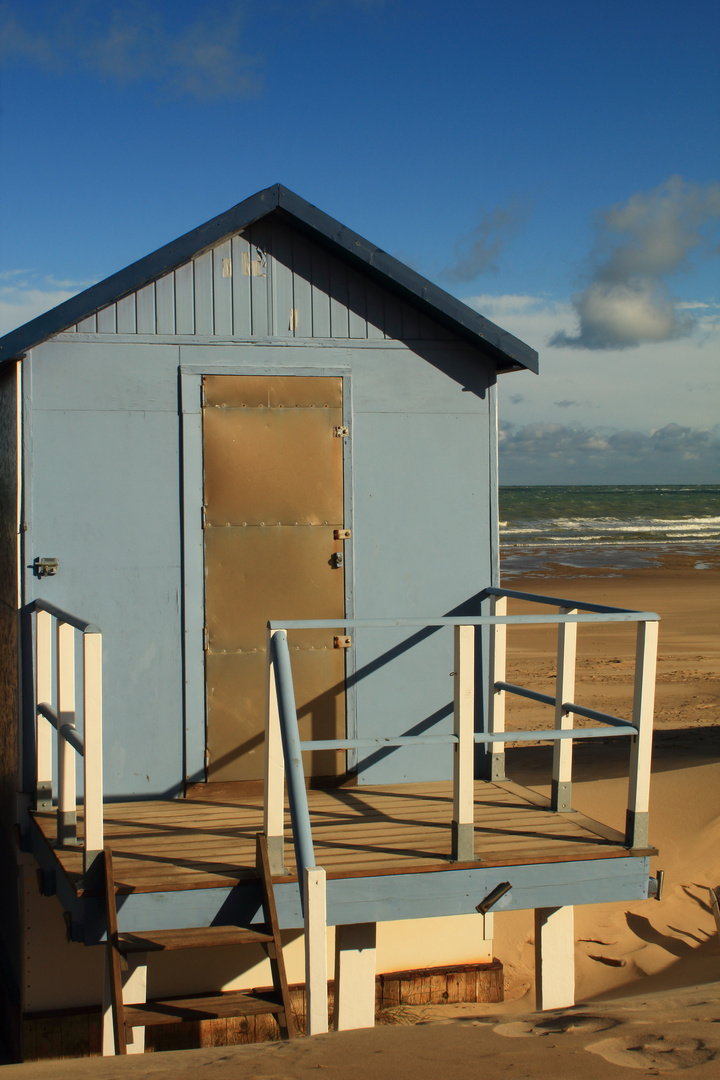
[206, 639]
[203, 396]
[204, 517]
[342, 642]
[341, 534]
[341, 432]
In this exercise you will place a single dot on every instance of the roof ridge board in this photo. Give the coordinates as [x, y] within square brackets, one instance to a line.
[382, 266]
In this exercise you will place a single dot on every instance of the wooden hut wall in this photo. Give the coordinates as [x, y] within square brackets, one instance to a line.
[115, 477]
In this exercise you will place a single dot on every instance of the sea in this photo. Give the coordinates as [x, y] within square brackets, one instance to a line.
[614, 527]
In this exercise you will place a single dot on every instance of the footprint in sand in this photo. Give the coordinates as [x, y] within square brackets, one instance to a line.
[651, 1051]
[557, 1025]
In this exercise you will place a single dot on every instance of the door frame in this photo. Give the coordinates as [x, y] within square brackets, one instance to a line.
[190, 375]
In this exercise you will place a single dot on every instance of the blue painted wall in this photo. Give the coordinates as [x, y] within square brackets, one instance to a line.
[109, 470]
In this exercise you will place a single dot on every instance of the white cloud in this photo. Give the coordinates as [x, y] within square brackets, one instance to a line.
[132, 42]
[28, 295]
[479, 250]
[638, 245]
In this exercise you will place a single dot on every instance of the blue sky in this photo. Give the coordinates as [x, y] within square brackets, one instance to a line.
[554, 163]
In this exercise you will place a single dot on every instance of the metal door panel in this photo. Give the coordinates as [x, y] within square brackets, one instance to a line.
[277, 572]
[235, 686]
[289, 391]
[273, 495]
[273, 466]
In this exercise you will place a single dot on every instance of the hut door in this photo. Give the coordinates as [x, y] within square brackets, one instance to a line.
[273, 499]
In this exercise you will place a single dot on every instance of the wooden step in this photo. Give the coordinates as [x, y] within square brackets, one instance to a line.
[197, 937]
[201, 1007]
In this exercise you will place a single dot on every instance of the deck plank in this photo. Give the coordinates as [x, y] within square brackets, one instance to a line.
[170, 845]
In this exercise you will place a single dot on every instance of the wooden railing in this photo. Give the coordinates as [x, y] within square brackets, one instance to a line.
[283, 746]
[55, 707]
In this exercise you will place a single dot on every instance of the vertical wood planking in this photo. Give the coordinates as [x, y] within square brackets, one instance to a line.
[165, 304]
[223, 270]
[316, 967]
[357, 305]
[564, 692]
[259, 284]
[320, 293]
[203, 281]
[43, 694]
[146, 310]
[496, 698]
[339, 323]
[302, 285]
[127, 315]
[374, 310]
[66, 809]
[242, 320]
[410, 323]
[464, 748]
[107, 320]
[393, 317]
[184, 300]
[88, 326]
[93, 761]
[282, 284]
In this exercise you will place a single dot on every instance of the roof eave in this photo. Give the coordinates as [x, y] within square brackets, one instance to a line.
[508, 352]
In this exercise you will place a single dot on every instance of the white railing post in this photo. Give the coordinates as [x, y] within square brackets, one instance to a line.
[43, 696]
[274, 814]
[496, 698]
[66, 809]
[316, 968]
[564, 692]
[463, 825]
[92, 736]
[636, 833]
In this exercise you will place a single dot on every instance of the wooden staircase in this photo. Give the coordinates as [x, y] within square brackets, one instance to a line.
[204, 1006]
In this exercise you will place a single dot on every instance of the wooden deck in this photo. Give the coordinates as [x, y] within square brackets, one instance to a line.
[207, 843]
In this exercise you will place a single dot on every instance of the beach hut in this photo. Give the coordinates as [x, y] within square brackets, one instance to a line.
[249, 528]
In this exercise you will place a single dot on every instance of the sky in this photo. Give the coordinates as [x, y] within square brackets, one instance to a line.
[553, 163]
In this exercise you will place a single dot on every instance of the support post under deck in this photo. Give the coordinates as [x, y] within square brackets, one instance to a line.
[554, 958]
[355, 950]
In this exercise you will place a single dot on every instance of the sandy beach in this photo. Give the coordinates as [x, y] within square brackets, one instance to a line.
[647, 973]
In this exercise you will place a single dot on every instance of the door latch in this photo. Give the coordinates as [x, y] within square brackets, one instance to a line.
[342, 534]
[342, 642]
[337, 560]
[45, 567]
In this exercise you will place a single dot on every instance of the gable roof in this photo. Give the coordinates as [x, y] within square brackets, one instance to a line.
[508, 352]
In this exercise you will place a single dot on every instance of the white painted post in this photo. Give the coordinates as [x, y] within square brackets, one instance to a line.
[488, 928]
[463, 825]
[355, 951]
[93, 760]
[316, 966]
[496, 698]
[66, 810]
[564, 692]
[274, 816]
[554, 958]
[134, 993]
[641, 749]
[43, 695]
